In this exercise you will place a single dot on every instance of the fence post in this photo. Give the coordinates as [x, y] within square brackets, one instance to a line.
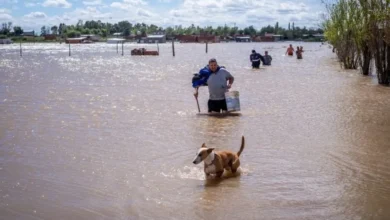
[117, 46]
[207, 43]
[158, 49]
[173, 47]
[20, 47]
[122, 48]
[69, 48]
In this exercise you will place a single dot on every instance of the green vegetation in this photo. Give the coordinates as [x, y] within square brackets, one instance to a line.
[359, 30]
[126, 28]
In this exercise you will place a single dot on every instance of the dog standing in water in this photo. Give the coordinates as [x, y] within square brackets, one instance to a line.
[215, 162]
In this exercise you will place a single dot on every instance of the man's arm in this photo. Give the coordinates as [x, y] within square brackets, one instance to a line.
[230, 78]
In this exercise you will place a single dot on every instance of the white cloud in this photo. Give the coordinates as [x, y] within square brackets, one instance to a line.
[9, 1]
[241, 13]
[5, 11]
[128, 4]
[88, 13]
[36, 15]
[144, 13]
[5, 17]
[291, 8]
[29, 4]
[135, 2]
[57, 3]
[93, 2]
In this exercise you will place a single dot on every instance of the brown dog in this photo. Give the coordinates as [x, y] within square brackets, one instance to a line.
[215, 162]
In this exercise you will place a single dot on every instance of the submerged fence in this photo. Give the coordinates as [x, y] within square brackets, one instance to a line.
[124, 48]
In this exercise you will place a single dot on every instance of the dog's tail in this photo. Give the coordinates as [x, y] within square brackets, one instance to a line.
[242, 146]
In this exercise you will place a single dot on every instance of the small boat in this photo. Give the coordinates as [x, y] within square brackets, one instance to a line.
[143, 51]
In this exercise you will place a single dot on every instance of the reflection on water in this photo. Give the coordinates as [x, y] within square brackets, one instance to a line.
[102, 136]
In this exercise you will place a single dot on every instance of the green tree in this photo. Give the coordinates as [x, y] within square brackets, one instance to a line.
[276, 27]
[127, 32]
[6, 28]
[54, 30]
[43, 31]
[18, 30]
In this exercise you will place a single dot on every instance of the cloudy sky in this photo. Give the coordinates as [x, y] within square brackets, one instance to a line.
[32, 14]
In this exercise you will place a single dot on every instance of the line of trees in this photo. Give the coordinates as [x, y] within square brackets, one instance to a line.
[126, 28]
[6, 30]
[359, 31]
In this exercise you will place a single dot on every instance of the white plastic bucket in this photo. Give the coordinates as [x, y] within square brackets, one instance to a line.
[232, 101]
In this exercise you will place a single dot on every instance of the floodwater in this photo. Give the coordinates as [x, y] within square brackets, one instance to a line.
[98, 135]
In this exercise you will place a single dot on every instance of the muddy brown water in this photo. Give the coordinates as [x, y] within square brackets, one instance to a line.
[101, 136]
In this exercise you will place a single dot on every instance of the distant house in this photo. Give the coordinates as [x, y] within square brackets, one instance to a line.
[159, 33]
[315, 37]
[28, 33]
[278, 37]
[133, 37]
[268, 37]
[226, 38]
[118, 34]
[319, 36]
[198, 38]
[152, 39]
[50, 37]
[243, 39]
[91, 37]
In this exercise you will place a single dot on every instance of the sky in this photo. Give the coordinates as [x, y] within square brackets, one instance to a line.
[33, 14]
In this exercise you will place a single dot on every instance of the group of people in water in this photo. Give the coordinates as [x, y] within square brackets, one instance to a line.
[298, 52]
[257, 58]
[219, 80]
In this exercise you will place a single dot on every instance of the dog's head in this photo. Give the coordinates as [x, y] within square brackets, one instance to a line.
[202, 154]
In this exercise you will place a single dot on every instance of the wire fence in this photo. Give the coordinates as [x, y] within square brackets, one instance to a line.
[121, 48]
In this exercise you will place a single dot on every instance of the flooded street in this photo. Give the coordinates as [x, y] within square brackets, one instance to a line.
[102, 136]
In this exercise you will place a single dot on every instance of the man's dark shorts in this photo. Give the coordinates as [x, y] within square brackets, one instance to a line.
[217, 105]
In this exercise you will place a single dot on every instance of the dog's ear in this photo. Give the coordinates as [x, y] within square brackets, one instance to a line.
[209, 150]
[203, 145]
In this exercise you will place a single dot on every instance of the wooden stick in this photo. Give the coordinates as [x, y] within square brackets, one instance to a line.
[197, 102]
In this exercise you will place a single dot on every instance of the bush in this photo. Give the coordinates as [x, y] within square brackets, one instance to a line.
[73, 33]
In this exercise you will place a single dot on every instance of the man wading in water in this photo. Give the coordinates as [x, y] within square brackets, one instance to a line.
[255, 58]
[216, 78]
[290, 50]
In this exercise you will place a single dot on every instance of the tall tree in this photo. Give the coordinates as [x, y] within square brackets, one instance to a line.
[18, 30]
[43, 31]
[54, 30]
[61, 29]
[276, 27]
[6, 28]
